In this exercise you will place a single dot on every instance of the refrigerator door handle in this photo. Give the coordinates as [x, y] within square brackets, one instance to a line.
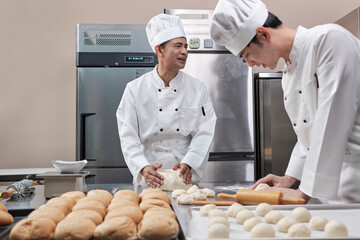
[83, 136]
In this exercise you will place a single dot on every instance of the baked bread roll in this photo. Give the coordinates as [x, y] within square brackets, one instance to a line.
[103, 200]
[127, 194]
[149, 203]
[70, 201]
[119, 228]
[89, 214]
[33, 229]
[50, 212]
[77, 195]
[90, 205]
[73, 229]
[5, 218]
[155, 195]
[160, 211]
[158, 227]
[100, 193]
[132, 212]
[64, 206]
[119, 204]
[3, 208]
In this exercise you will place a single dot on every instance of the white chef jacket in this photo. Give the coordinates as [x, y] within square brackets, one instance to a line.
[321, 96]
[167, 125]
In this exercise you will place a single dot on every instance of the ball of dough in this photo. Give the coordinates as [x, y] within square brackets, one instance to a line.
[208, 192]
[263, 208]
[243, 215]
[301, 214]
[177, 192]
[318, 223]
[221, 220]
[199, 195]
[185, 199]
[299, 230]
[234, 209]
[285, 223]
[335, 229]
[261, 186]
[218, 230]
[262, 230]
[273, 217]
[192, 189]
[204, 210]
[172, 180]
[217, 213]
[250, 223]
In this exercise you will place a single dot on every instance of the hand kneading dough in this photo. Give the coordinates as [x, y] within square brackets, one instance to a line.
[204, 210]
[273, 217]
[299, 230]
[177, 192]
[217, 213]
[250, 223]
[132, 212]
[40, 228]
[120, 228]
[301, 214]
[285, 223]
[158, 228]
[261, 186]
[209, 193]
[71, 229]
[89, 214]
[47, 212]
[221, 220]
[218, 230]
[172, 180]
[263, 208]
[199, 195]
[243, 215]
[335, 229]
[193, 189]
[185, 199]
[5, 218]
[262, 230]
[318, 223]
[234, 209]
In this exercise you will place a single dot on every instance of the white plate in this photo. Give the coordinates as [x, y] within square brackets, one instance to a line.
[69, 166]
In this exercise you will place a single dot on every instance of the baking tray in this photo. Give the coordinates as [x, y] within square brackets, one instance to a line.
[349, 214]
[17, 214]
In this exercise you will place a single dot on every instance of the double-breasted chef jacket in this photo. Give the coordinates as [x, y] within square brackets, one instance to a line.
[321, 96]
[167, 125]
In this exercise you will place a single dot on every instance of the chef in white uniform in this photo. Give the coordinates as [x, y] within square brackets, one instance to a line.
[321, 85]
[165, 117]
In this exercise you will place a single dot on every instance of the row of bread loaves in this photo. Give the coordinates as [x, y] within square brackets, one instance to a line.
[5, 217]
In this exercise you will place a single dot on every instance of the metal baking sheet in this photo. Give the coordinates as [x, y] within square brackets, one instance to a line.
[196, 225]
[17, 214]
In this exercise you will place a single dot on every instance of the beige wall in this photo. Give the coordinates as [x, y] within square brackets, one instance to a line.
[38, 73]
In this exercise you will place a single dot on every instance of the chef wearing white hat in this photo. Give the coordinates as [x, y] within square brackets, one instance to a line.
[165, 117]
[321, 84]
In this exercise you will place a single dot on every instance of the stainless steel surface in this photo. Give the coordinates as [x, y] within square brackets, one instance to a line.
[351, 22]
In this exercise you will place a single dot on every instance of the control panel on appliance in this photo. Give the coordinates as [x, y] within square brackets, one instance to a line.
[139, 59]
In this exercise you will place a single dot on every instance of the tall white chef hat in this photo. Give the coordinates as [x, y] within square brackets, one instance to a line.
[234, 23]
[162, 28]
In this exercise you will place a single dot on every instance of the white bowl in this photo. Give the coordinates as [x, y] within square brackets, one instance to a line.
[69, 166]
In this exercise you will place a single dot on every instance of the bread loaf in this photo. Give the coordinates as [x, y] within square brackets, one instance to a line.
[149, 203]
[155, 195]
[64, 206]
[74, 229]
[100, 193]
[120, 203]
[5, 218]
[33, 229]
[91, 205]
[47, 212]
[120, 228]
[89, 214]
[103, 200]
[127, 195]
[158, 227]
[132, 212]
[160, 211]
[3, 208]
[77, 195]
[70, 201]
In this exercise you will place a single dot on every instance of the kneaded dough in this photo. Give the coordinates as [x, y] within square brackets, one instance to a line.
[336, 229]
[250, 223]
[217, 213]
[285, 223]
[263, 208]
[299, 230]
[209, 193]
[243, 215]
[261, 186]
[172, 180]
[262, 230]
[318, 223]
[199, 195]
[192, 189]
[204, 210]
[177, 192]
[235, 209]
[301, 214]
[221, 220]
[185, 199]
[273, 217]
[218, 230]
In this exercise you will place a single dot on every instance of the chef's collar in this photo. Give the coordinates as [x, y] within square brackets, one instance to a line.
[297, 47]
[160, 83]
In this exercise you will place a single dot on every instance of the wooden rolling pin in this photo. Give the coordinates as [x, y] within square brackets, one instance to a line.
[217, 203]
[252, 197]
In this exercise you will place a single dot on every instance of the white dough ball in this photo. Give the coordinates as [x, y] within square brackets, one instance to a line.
[285, 223]
[318, 223]
[273, 217]
[299, 230]
[204, 210]
[262, 230]
[301, 214]
[218, 230]
[250, 223]
[221, 220]
[234, 209]
[199, 195]
[172, 180]
[217, 213]
[185, 199]
[261, 186]
[263, 208]
[243, 215]
[335, 229]
[208, 192]
[177, 192]
[192, 189]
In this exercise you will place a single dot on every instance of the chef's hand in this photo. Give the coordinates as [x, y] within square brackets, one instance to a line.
[185, 172]
[276, 181]
[289, 193]
[151, 176]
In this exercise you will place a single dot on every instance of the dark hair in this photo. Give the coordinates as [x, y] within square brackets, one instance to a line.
[272, 21]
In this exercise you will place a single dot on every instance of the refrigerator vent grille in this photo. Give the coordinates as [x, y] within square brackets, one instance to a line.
[112, 38]
[193, 16]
